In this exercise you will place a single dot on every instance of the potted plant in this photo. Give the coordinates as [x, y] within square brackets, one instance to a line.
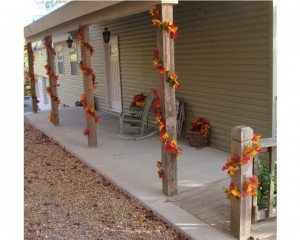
[198, 133]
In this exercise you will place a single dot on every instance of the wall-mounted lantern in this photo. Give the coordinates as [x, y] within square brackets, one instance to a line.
[69, 42]
[106, 35]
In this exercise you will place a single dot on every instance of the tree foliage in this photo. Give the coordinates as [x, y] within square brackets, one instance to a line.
[48, 4]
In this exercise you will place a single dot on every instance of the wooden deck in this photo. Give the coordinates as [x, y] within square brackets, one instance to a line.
[209, 204]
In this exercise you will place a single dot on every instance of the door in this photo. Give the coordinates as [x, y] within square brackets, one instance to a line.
[114, 83]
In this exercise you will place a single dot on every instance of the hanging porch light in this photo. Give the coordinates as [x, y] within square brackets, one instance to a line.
[106, 35]
[69, 42]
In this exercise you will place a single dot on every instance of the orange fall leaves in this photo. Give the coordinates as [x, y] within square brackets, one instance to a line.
[170, 146]
[172, 78]
[233, 165]
[167, 26]
[249, 188]
[90, 112]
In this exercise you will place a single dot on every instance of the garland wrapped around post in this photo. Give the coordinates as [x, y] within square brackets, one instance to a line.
[170, 146]
[53, 78]
[234, 163]
[172, 78]
[30, 75]
[87, 71]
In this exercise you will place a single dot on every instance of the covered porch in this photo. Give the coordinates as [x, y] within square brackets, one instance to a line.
[128, 164]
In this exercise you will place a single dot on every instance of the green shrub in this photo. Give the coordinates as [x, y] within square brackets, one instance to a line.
[264, 178]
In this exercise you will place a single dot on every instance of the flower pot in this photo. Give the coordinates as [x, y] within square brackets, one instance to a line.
[197, 140]
[262, 203]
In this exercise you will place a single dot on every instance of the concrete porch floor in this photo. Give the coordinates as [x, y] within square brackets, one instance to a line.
[130, 165]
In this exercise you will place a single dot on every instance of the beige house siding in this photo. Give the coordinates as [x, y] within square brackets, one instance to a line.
[98, 65]
[70, 86]
[137, 40]
[223, 57]
[40, 62]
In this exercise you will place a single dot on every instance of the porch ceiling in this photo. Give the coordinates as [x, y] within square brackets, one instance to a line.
[76, 13]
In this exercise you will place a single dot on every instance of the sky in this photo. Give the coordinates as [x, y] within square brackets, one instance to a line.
[33, 10]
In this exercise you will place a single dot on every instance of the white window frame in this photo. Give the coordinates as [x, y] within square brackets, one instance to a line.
[75, 47]
[60, 60]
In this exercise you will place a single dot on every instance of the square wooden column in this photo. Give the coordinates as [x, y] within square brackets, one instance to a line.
[32, 80]
[240, 216]
[52, 81]
[165, 46]
[88, 87]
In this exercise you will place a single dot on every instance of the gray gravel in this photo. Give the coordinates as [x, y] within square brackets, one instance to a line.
[66, 199]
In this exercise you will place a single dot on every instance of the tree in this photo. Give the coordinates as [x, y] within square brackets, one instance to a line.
[49, 4]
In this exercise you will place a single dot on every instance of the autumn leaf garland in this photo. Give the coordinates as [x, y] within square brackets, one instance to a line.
[89, 71]
[48, 45]
[172, 78]
[233, 165]
[54, 78]
[249, 188]
[90, 112]
[29, 74]
[167, 26]
[85, 44]
[170, 145]
[52, 75]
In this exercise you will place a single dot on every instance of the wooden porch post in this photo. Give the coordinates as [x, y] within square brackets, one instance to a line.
[165, 46]
[240, 218]
[88, 87]
[52, 82]
[32, 80]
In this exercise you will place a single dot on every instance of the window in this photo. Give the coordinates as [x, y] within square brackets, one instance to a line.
[73, 60]
[60, 59]
[114, 50]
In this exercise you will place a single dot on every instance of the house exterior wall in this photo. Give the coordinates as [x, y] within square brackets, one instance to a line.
[98, 65]
[224, 60]
[223, 57]
[137, 41]
[70, 86]
[40, 62]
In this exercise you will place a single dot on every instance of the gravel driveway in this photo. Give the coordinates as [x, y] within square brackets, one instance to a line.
[65, 199]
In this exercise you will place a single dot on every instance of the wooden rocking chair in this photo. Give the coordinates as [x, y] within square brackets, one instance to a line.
[137, 119]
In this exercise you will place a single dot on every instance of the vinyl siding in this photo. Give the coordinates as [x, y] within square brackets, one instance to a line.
[70, 86]
[222, 57]
[224, 61]
[40, 62]
[137, 40]
[98, 65]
